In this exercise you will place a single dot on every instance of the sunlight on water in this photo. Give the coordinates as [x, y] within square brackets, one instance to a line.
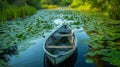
[58, 21]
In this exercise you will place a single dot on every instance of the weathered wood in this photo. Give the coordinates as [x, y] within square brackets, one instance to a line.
[57, 34]
[54, 48]
[69, 34]
[58, 47]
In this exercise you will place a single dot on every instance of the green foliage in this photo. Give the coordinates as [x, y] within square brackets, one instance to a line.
[91, 54]
[112, 57]
[111, 7]
[21, 10]
[105, 39]
[104, 33]
[49, 6]
[65, 2]
[56, 2]
[17, 2]
[3, 4]
[15, 12]
[34, 3]
[52, 2]
[21, 30]
[89, 61]
[3, 63]
[76, 3]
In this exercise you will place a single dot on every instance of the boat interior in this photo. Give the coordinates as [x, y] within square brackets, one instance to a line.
[60, 41]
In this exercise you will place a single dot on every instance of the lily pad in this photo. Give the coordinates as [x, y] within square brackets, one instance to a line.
[89, 61]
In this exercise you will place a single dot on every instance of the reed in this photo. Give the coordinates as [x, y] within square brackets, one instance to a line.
[14, 12]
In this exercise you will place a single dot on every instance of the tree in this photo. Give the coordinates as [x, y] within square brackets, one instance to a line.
[111, 6]
[34, 3]
[65, 2]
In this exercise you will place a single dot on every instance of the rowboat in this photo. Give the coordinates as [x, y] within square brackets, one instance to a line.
[69, 62]
[60, 45]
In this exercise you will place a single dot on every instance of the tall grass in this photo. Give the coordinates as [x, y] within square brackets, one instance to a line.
[14, 12]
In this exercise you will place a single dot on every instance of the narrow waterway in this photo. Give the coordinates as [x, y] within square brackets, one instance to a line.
[22, 40]
[34, 55]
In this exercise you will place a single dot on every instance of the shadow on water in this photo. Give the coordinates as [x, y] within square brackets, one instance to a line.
[71, 60]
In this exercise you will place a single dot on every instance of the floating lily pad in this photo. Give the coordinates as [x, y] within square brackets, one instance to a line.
[89, 61]
[91, 54]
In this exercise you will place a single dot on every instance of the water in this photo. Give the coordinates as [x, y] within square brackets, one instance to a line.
[33, 27]
[34, 55]
[82, 49]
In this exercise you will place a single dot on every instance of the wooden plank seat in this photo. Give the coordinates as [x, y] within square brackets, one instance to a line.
[65, 31]
[64, 34]
[59, 47]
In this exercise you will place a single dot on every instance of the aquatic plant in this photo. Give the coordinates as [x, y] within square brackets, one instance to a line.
[104, 33]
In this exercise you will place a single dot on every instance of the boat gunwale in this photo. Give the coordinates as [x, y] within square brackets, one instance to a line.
[55, 56]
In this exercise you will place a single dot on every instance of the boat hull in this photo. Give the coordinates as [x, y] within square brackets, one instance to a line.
[61, 58]
[56, 59]
[70, 62]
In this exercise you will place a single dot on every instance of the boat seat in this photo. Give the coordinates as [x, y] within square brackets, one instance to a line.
[64, 31]
[64, 34]
[59, 47]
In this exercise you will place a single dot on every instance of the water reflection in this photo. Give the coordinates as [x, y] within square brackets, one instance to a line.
[67, 63]
[34, 55]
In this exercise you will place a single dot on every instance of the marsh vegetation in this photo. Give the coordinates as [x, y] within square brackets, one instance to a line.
[100, 19]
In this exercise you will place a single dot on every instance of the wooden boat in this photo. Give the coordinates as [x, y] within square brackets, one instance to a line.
[60, 45]
[69, 62]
